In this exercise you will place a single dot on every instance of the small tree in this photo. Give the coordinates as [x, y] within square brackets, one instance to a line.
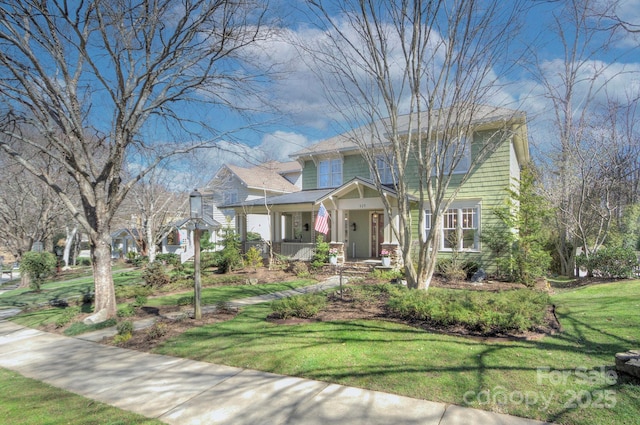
[231, 257]
[321, 254]
[525, 213]
[37, 266]
[253, 258]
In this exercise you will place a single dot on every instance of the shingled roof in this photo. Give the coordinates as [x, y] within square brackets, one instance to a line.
[267, 176]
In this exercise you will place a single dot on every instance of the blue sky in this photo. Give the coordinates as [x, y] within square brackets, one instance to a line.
[306, 117]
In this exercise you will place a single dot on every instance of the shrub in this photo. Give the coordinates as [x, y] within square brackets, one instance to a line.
[231, 257]
[38, 266]
[127, 310]
[300, 269]
[302, 306]
[125, 327]
[253, 258]
[614, 262]
[169, 258]
[119, 339]
[156, 331]
[136, 259]
[321, 253]
[83, 261]
[211, 259]
[486, 312]
[388, 275]
[155, 275]
[124, 292]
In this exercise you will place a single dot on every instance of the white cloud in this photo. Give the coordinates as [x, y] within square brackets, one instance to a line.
[280, 144]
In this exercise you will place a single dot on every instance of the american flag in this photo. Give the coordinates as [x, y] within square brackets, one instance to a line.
[322, 220]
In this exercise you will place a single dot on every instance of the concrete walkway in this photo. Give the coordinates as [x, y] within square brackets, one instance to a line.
[182, 391]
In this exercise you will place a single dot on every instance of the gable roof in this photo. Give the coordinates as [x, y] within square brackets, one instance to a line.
[267, 176]
[357, 183]
[483, 116]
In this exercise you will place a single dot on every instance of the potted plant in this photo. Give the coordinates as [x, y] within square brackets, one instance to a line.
[333, 256]
[385, 257]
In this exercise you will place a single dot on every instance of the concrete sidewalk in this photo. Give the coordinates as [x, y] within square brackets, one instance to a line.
[182, 391]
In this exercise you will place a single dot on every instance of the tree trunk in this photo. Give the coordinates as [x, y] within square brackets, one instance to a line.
[151, 245]
[67, 246]
[105, 297]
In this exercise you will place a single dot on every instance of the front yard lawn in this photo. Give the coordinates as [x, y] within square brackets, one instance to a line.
[26, 401]
[567, 377]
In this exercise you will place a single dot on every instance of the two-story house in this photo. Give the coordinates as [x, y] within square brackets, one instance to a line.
[336, 175]
[234, 185]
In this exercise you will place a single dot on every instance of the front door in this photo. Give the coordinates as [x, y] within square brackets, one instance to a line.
[377, 233]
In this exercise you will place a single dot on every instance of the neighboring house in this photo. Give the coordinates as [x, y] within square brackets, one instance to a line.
[234, 185]
[123, 241]
[335, 174]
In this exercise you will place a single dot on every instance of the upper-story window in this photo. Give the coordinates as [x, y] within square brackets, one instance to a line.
[457, 155]
[385, 169]
[330, 173]
[230, 197]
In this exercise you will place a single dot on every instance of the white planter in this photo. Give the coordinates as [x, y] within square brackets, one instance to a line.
[333, 260]
[386, 261]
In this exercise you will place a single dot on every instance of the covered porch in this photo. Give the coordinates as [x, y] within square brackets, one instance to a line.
[359, 224]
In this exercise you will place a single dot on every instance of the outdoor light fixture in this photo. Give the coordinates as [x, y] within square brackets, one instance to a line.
[306, 227]
[195, 204]
[354, 226]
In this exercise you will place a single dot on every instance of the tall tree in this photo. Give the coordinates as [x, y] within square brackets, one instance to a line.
[574, 86]
[95, 84]
[30, 211]
[416, 76]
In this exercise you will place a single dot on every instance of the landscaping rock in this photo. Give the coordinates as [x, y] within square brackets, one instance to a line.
[99, 317]
[479, 276]
[629, 362]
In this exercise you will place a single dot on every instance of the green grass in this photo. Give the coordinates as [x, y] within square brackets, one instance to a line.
[598, 322]
[26, 402]
[59, 291]
[209, 296]
[213, 295]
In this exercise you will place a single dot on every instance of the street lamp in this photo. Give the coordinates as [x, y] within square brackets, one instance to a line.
[195, 207]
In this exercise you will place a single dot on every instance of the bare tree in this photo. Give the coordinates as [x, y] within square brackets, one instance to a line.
[102, 81]
[154, 207]
[30, 211]
[573, 87]
[414, 77]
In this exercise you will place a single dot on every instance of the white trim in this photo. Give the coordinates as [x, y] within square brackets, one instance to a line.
[459, 206]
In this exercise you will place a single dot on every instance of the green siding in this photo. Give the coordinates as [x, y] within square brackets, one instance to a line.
[488, 183]
[309, 176]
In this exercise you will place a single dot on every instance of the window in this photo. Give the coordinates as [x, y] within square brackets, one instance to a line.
[384, 169]
[459, 229]
[458, 150]
[330, 173]
[231, 197]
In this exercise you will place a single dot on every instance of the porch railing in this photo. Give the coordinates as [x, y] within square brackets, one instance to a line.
[302, 251]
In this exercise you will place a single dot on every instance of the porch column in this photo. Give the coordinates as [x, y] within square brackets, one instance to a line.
[276, 227]
[387, 227]
[340, 226]
[396, 222]
[334, 220]
[241, 226]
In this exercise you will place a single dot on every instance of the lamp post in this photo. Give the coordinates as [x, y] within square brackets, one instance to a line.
[195, 207]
